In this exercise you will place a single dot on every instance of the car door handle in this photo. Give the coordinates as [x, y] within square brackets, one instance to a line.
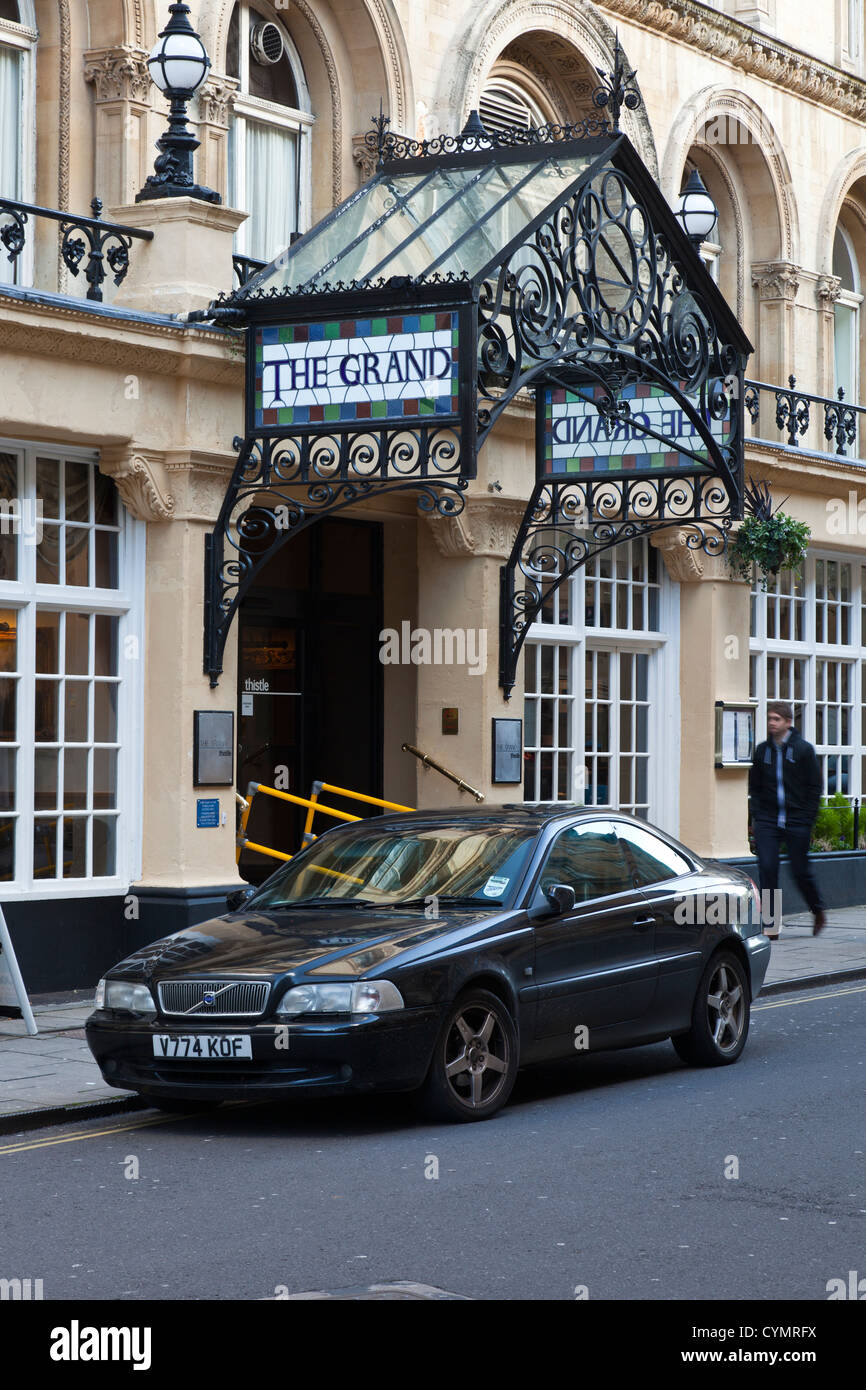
[644, 922]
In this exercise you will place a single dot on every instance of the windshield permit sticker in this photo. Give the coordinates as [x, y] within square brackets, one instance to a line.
[495, 887]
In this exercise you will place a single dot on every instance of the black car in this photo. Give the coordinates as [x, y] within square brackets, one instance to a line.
[439, 952]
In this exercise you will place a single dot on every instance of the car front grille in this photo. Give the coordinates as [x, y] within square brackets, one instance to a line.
[231, 998]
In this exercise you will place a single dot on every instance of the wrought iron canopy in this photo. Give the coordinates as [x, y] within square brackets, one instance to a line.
[556, 262]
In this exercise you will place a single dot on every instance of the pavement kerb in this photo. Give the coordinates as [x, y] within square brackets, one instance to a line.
[45, 1117]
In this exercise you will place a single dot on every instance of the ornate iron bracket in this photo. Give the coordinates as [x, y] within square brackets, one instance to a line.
[281, 485]
[567, 523]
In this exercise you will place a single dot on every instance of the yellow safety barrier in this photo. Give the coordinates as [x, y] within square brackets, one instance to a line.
[314, 805]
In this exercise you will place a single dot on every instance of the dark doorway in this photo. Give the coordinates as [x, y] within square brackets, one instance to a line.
[310, 681]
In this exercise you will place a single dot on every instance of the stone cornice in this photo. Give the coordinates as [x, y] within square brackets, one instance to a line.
[731, 41]
[801, 470]
[163, 349]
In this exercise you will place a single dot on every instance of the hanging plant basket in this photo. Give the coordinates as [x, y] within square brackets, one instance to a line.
[768, 539]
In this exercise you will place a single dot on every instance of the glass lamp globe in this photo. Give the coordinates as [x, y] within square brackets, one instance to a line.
[178, 61]
[695, 210]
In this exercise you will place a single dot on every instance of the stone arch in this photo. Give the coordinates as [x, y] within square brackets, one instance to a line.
[490, 29]
[848, 172]
[723, 108]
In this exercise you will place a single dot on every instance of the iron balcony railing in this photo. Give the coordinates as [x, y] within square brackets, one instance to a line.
[245, 267]
[86, 241]
[804, 420]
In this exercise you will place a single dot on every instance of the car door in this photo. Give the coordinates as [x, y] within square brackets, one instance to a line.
[595, 967]
[667, 880]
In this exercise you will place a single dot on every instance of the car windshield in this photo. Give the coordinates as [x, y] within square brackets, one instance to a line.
[383, 867]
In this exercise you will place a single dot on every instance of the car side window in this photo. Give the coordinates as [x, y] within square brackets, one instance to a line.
[654, 860]
[588, 859]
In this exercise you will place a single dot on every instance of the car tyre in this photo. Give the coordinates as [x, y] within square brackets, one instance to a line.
[720, 1016]
[475, 1060]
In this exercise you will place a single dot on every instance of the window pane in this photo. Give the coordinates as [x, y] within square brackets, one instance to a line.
[590, 860]
[45, 849]
[10, 514]
[106, 500]
[7, 850]
[48, 487]
[48, 567]
[7, 779]
[77, 631]
[105, 543]
[75, 779]
[75, 724]
[77, 490]
[104, 845]
[45, 723]
[74, 846]
[8, 703]
[45, 779]
[77, 555]
[8, 639]
[47, 642]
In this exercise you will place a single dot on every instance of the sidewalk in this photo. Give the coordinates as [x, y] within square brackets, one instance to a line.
[52, 1077]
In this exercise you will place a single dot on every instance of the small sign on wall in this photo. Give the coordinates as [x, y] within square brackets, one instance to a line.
[735, 733]
[507, 750]
[207, 813]
[213, 748]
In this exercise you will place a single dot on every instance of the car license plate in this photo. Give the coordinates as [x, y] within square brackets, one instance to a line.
[205, 1047]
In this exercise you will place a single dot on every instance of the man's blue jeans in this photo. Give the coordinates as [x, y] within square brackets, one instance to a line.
[768, 842]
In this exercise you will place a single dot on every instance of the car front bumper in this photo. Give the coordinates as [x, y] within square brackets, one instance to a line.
[370, 1052]
[758, 950]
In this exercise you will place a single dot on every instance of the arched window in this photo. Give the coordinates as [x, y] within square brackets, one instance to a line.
[846, 328]
[269, 137]
[17, 111]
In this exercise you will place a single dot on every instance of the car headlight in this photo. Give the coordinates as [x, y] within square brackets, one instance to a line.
[117, 994]
[366, 997]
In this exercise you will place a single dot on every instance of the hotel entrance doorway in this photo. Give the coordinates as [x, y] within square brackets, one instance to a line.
[310, 680]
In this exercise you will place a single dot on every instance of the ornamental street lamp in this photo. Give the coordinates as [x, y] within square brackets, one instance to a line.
[695, 210]
[178, 65]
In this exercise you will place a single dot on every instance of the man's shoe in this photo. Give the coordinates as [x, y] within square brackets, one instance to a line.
[820, 921]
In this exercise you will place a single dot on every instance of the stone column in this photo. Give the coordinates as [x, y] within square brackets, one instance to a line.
[827, 291]
[459, 560]
[714, 665]
[123, 95]
[215, 101]
[777, 283]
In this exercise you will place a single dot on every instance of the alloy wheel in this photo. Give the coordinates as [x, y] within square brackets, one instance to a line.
[476, 1056]
[726, 1008]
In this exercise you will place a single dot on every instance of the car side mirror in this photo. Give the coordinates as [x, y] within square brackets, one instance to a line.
[560, 899]
[238, 896]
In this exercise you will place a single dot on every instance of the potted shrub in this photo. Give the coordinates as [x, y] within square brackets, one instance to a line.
[767, 538]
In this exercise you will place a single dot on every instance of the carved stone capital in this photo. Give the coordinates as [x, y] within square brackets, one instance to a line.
[140, 480]
[776, 280]
[486, 527]
[119, 74]
[216, 99]
[688, 566]
[364, 157]
[828, 289]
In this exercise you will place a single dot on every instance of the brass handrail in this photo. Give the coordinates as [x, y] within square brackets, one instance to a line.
[452, 776]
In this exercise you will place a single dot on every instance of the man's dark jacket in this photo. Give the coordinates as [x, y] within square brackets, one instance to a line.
[801, 775]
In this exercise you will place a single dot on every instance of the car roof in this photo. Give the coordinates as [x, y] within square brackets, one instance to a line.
[515, 813]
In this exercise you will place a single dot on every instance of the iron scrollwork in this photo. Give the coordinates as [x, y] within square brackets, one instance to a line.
[104, 243]
[840, 423]
[13, 234]
[567, 523]
[284, 483]
[598, 290]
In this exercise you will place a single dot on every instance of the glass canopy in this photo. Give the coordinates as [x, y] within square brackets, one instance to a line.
[441, 219]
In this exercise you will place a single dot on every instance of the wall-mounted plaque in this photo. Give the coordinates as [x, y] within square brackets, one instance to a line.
[213, 748]
[735, 732]
[508, 750]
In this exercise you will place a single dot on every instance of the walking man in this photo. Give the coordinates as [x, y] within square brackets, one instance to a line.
[784, 796]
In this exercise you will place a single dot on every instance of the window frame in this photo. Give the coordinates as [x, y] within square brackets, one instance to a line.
[24, 36]
[247, 108]
[126, 603]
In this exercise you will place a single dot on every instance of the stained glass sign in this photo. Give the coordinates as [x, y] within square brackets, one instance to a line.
[392, 367]
[655, 432]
